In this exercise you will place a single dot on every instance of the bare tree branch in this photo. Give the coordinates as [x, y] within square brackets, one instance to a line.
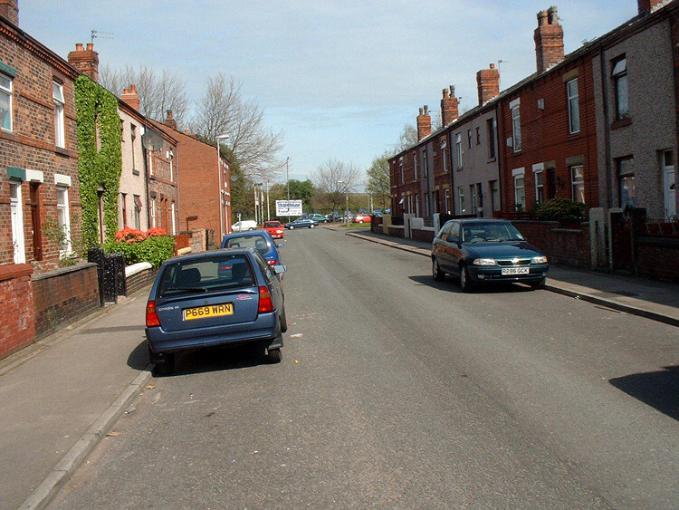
[336, 179]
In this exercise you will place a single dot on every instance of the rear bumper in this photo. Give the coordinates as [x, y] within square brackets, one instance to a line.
[481, 274]
[265, 330]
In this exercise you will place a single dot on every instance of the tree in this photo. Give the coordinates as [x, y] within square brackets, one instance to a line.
[336, 179]
[158, 92]
[378, 180]
[408, 136]
[222, 110]
[302, 190]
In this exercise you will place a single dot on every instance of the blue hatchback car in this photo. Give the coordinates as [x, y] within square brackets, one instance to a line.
[221, 297]
[260, 240]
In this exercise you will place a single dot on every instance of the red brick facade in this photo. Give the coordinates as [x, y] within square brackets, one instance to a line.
[29, 155]
[163, 173]
[17, 321]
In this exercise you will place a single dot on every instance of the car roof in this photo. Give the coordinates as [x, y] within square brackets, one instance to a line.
[248, 233]
[478, 220]
[211, 253]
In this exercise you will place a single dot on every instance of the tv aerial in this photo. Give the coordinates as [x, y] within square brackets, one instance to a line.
[98, 34]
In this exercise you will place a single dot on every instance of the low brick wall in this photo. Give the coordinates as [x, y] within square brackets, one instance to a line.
[17, 320]
[422, 235]
[64, 295]
[658, 257]
[569, 246]
[394, 231]
[140, 280]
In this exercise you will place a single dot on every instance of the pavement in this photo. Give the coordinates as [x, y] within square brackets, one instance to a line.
[639, 296]
[62, 395]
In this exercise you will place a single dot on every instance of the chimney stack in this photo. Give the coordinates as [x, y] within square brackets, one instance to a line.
[449, 106]
[648, 6]
[169, 120]
[10, 9]
[548, 37]
[131, 97]
[423, 123]
[488, 84]
[85, 61]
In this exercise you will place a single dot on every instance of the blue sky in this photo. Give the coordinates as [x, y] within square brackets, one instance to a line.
[338, 79]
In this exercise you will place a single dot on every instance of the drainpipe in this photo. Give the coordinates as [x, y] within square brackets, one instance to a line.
[607, 154]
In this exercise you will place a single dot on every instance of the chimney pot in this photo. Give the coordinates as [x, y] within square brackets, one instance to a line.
[131, 97]
[648, 6]
[78, 46]
[169, 120]
[423, 123]
[85, 61]
[10, 9]
[548, 37]
[488, 84]
[449, 106]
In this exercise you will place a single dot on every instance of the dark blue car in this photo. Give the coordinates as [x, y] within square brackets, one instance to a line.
[259, 240]
[221, 297]
[486, 251]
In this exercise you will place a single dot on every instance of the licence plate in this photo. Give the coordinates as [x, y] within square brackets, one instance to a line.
[205, 312]
[515, 270]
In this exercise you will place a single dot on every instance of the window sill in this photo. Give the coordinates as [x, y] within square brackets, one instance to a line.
[62, 151]
[621, 123]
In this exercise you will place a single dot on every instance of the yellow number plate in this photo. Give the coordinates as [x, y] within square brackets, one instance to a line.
[204, 312]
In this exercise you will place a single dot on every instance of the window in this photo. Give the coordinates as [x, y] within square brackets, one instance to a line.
[479, 193]
[427, 204]
[473, 199]
[59, 129]
[490, 128]
[621, 90]
[458, 150]
[494, 195]
[5, 103]
[425, 164]
[516, 127]
[17, 222]
[153, 213]
[133, 137]
[461, 209]
[519, 193]
[417, 204]
[414, 166]
[669, 184]
[123, 209]
[469, 138]
[171, 169]
[400, 166]
[626, 183]
[478, 136]
[446, 201]
[539, 187]
[443, 156]
[137, 211]
[573, 106]
[174, 220]
[578, 183]
[64, 220]
[36, 219]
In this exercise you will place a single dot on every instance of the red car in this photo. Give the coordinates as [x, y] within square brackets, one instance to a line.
[361, 218]
[275, 228]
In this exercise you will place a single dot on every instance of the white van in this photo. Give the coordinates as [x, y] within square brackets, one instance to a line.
[242, 226]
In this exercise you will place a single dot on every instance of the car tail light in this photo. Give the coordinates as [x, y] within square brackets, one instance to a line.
[265, 302]
[152, 319]
[272, 262]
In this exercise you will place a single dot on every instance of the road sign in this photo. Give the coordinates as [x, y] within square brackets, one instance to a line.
[288, 207]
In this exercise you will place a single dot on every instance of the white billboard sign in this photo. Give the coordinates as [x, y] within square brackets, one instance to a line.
[288, 207]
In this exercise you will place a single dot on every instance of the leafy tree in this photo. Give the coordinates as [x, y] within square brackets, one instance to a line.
[378, 180]
[302, 190]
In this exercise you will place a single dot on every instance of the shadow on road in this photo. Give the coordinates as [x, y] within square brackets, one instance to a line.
[657, 389]
[217, 359]
[139, 357]
[451, 285]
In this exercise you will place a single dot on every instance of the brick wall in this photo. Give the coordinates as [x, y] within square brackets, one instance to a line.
[64, 295]
[568, 246]
[422, 235]
[140, 280]
[17, 324]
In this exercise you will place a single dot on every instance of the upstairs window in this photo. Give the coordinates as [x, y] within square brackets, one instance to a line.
[490, 128]
[573, 106]
[133, 137]
[516, 128]
[59, 128]
[469, 138]
[5, 103]
[621, 88]
[458, 150]
[444, 159]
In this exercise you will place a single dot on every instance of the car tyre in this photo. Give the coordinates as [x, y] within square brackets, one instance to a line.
[274, 356]
[284, 321]
[436, 270]
[540, 284]
[291, 227]
[163, 366]
[311, 226]
[465, 282]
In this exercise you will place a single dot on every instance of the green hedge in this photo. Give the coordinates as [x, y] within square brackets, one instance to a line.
[154, 250]
[560, 209]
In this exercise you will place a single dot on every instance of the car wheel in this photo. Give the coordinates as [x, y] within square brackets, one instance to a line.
[311, 226]
[284, 321]
[540, 284]
[291, 227]
[436, 270]
[163, 365]
[465, 282]
[274, 356]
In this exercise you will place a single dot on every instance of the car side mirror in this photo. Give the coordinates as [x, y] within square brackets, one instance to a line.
[279, 269]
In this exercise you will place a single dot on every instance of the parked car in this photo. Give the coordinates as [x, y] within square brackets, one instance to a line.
[241, 226]
[361, 218]
[486, 251]
[259, 240]
[333, 217]
[275, 229]
[301, 223]
[224, 297]
[318, 218]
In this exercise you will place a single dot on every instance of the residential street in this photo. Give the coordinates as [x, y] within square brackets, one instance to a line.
[395, 391]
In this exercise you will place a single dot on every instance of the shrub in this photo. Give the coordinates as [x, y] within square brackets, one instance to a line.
[154, 250]
[130, 235]
[561, 210]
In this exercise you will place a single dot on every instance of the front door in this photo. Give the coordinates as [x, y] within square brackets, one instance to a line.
[669, 185]
[17, 223]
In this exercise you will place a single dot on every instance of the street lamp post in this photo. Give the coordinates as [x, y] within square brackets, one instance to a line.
[346, 206]
[219, 180]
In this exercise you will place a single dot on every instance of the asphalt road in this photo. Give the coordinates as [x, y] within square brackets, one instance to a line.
[398, 392]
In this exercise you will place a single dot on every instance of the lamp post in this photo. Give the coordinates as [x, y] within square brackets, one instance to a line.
[287, 182]
[346, 206]
[219, 179]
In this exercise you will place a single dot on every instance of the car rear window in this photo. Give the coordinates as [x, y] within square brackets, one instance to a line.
[256, 241]
[215, 273]
[272, 224]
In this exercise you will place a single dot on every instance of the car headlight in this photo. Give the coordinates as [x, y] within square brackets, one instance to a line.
[484, 262]
[539, 260]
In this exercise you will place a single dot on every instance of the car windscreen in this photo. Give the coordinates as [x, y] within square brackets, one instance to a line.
[490, 232]
[256, 241]
[219, 272]
[272, 224]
